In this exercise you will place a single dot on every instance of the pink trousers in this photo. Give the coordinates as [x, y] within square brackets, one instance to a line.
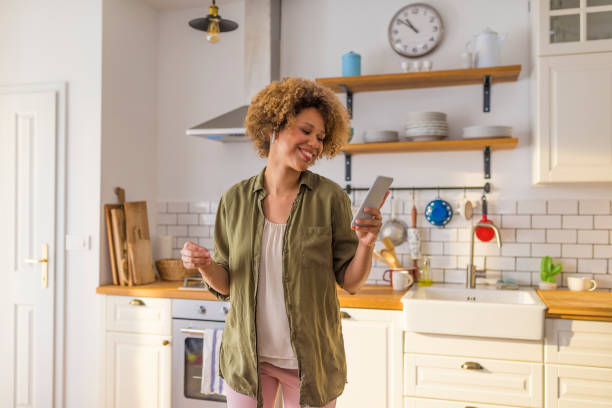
[271, 378]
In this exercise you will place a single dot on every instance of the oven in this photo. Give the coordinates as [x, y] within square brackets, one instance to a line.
[189, 319]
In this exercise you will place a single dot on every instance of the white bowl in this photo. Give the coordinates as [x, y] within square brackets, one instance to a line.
[379, 136]
[482, 131]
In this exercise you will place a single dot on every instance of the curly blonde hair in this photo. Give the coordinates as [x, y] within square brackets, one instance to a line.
[275, 107]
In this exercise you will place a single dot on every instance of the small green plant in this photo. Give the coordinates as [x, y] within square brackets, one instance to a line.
[548, 269]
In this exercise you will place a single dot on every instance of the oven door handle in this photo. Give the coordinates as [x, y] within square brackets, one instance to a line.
[193, 331]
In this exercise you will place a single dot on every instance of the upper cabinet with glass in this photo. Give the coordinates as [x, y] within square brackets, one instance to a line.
[573, 26]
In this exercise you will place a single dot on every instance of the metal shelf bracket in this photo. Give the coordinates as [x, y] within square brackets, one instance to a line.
[487, 162]
[486, 90]
[349, 100]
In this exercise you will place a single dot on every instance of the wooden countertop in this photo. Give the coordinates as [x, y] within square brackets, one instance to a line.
[565, 304]
[369, 297]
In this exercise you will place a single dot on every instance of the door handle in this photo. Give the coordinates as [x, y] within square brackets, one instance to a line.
[45, 265]
[193, 331]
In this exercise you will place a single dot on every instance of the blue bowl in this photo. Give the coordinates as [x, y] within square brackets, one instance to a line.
[438, 212]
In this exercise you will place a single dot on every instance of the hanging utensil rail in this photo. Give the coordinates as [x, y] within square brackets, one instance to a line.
[486, 188]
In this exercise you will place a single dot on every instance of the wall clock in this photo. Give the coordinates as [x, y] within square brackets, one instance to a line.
[415, 30]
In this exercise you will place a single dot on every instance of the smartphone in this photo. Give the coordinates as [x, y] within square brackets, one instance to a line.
[374, 198]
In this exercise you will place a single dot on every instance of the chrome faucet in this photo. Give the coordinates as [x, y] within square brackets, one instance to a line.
[472, 272]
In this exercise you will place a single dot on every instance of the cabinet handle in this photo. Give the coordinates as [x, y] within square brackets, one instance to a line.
[137, 302]
[345, 315]
[470, 365]
[165, 342]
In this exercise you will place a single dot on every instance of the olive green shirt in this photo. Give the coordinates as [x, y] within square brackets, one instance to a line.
[318, 245]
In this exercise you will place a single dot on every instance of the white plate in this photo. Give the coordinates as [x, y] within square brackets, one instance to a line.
[413, 116]
[481, 131]
[423, 138]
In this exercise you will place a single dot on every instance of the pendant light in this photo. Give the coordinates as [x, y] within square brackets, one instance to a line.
[213, 24]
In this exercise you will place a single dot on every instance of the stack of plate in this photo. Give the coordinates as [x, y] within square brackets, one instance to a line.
[425, 126]
[380, 136]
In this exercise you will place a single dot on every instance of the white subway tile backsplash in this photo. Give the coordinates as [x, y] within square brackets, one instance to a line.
[603, 281]
[443, 234]
[546, 221]
[178, 207]
[187, 219]
[594, 207]
[602, 251]
[530, 235]
[167, 219]
[199, 231]
[552, 250]
[199, 207]
[603, 222]
[177, 230]
[577, 234]
[207, 219]
[444, 261]
[592, 265]
[516, 250]
[577, 251]
[502, 207]
[516, 221]
[592, 237]
[501, 263]
[561, 236]
[179, 242]
[578, 221]
[528, 264]
[563, 207]
[456, 248]
[531, 207]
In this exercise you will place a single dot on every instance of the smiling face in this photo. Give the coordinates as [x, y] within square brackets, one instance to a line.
[299, 145]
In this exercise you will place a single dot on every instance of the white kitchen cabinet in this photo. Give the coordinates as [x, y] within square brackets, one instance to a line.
[137, 352]
[373, 345]
[138, 370]
[572, 91]
[572, 26]
[578, 364]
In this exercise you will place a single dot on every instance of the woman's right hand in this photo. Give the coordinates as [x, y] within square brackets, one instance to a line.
[195, 256]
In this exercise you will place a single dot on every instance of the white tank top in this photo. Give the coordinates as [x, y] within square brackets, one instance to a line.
[273, 338]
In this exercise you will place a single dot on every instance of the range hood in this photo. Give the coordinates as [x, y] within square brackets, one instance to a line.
[262, 66]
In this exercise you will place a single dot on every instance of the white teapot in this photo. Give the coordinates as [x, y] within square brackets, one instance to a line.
[486, 48]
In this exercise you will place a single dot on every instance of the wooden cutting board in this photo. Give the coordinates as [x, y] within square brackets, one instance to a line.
[111, 245]
[566, 304]
[120, 245]
[140, 256]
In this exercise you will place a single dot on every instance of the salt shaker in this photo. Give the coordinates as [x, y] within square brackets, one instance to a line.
[416, 66]
[427, 65]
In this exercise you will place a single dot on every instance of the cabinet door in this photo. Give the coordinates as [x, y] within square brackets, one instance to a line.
[373, 345]
[573, 26]
[578, 387]
[138, 370]
[573, 132]
[578, 342]
[478, 380]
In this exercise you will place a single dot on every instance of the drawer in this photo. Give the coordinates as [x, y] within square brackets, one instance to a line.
[483, 347]
[578, 342]
[432, 403]
[578, 387]
[496, 382]
[139, 315]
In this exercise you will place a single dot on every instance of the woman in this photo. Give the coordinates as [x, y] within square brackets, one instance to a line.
[282, 240]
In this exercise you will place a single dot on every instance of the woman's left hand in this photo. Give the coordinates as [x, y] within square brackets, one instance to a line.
[367, 229]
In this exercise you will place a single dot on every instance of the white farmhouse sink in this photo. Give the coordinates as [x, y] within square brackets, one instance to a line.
[446, 309]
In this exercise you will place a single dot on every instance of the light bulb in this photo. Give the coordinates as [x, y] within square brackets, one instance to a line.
[212, 34]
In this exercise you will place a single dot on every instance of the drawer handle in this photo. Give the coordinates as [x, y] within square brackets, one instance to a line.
[345, 315]
[165, 342]
[470, 365]
[137, 302]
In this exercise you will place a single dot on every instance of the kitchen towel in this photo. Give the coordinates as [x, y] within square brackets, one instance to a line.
[211, 382]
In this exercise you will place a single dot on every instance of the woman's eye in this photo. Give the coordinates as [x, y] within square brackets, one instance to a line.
[305, 131]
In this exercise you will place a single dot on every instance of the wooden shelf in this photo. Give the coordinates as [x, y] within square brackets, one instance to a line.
[432, 146]
[431, 79]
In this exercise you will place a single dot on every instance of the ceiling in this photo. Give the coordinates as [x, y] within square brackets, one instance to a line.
[181, 4]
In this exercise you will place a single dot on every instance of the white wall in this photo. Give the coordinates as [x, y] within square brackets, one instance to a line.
[315, 34]
[44, 41]
[129, 110]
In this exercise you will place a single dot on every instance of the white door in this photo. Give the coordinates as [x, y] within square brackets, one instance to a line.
[27, 224]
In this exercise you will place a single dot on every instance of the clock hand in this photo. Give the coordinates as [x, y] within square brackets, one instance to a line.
[409, 24]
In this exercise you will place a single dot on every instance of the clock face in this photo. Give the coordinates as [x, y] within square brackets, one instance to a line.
[415, 30]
